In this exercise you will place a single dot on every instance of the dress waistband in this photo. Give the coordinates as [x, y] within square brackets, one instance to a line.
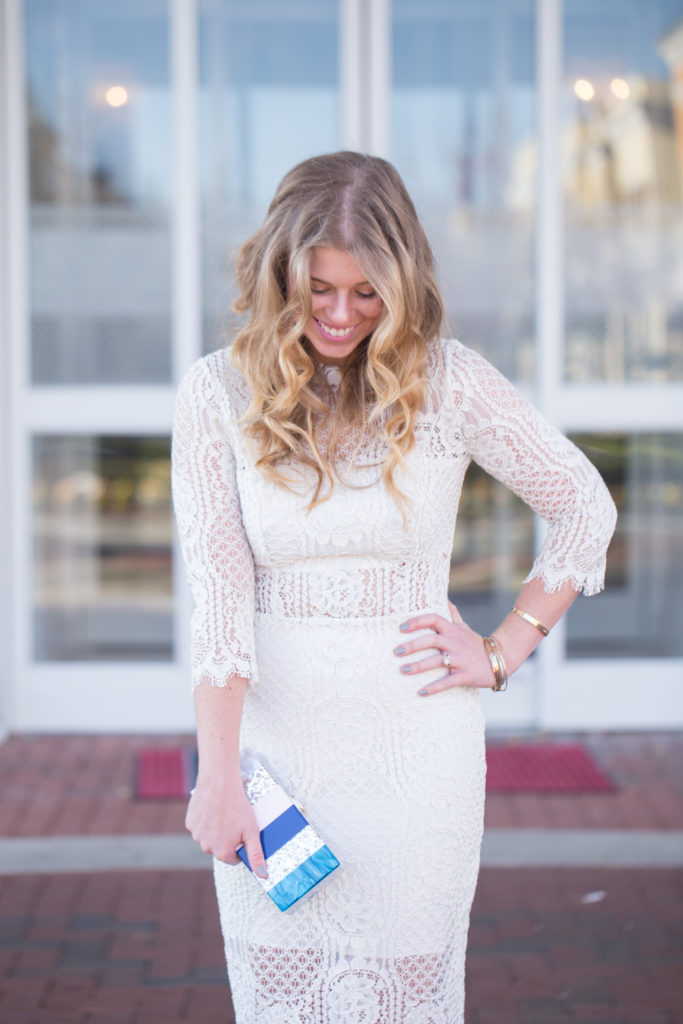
[353, 592]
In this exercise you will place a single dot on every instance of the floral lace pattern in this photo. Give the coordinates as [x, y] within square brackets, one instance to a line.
[307, 605]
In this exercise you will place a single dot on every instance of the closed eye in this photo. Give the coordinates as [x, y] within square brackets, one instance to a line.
[361, 295]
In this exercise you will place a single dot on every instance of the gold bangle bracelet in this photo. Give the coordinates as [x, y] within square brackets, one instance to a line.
[500, 674]
[531, 620]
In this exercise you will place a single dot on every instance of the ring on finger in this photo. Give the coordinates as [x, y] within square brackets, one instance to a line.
[446, 659]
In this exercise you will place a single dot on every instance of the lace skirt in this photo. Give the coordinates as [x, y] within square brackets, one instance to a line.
[395, 785]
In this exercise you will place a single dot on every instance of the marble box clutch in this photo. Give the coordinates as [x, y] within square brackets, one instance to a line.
[297, 858]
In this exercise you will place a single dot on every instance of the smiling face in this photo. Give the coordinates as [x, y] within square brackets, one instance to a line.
[345, 308]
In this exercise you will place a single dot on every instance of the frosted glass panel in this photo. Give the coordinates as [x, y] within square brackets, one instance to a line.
[100, 163]
[641, 612]
[463, 137]
[493, 550]
[269, 97]
[102, 549]
[622, 148]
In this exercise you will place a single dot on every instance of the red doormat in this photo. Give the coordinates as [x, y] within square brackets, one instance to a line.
[165, 773]
[169, 774]
[544, 768]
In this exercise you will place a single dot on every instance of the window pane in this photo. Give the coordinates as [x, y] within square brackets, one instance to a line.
[463, 137]
[639, 615]
[269, 98]
[100, 165]
[102, 549]
[623, 179]
[493, 550]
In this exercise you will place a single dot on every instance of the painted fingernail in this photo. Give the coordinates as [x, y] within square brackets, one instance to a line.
[423, 693]
[403, 627]
[399, 650]
[406, 669]
[260, 870]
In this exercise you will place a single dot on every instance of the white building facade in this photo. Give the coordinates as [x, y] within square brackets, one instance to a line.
[140, 142]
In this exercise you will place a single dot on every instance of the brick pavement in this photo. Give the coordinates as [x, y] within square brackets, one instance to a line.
[80, 785]
[143, 947]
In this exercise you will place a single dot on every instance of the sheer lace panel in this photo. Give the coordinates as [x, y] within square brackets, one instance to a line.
[511, 440]
[348, 591]
[302, 987]
[209, 519]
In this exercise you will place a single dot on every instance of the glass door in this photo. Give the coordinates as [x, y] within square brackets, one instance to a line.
[153, 137]
[620, 391]
[98, 646]
[463, 134]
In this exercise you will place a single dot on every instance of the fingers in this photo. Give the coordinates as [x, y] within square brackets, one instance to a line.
[447, 682]
[257, 862]
[420, 643]
[216, 847]
[430, 620]
[453, 639]
[425, 665]
[223, 838]
[251, 848]
[455, 614]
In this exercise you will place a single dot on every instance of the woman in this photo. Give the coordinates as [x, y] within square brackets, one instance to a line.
[317, 472]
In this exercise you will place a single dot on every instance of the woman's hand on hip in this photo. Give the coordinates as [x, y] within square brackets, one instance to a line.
[462, 654]
[221, 819]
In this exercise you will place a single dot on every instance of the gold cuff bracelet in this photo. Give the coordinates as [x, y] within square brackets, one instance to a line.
[500, 674]
[531, 620]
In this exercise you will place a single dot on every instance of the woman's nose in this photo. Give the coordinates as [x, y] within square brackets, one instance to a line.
[340, 306]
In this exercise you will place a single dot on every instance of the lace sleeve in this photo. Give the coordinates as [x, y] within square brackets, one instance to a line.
[215, 548]
[510, 439]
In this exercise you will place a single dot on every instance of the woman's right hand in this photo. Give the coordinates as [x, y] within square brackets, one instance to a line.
[220, 818]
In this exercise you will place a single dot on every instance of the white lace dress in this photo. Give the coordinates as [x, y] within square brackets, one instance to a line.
[308, 607]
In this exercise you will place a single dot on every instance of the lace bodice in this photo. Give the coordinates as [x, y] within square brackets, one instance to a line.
[250, 545]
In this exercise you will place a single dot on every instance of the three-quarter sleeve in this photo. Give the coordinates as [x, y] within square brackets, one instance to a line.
[215, 548]
[513, 442]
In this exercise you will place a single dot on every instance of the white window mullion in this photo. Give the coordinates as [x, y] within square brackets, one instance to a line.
[365, 73]
[6, 425]
[616, 408]
[379, 64]
[185, 257]
[15, 353]
[549, 279]
[351, 73]
[549, 215]
[186, 310]
[99, 408]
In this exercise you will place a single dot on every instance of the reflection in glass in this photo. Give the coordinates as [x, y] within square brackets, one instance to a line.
[639, 615]
[463, 137]
[269, 98]
[99, 142]
[493, 550]
[622, 148]
[102, 549]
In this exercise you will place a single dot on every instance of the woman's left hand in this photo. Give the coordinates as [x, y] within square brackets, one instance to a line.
[469, 663]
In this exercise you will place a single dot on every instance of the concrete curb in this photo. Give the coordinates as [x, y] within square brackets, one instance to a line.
[575, 848]
[502, 848]
[52, 855]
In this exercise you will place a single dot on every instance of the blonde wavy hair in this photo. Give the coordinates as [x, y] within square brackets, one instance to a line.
[356, 204]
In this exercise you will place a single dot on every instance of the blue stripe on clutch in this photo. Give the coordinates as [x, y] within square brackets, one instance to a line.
[274, 836]
[300, 881]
